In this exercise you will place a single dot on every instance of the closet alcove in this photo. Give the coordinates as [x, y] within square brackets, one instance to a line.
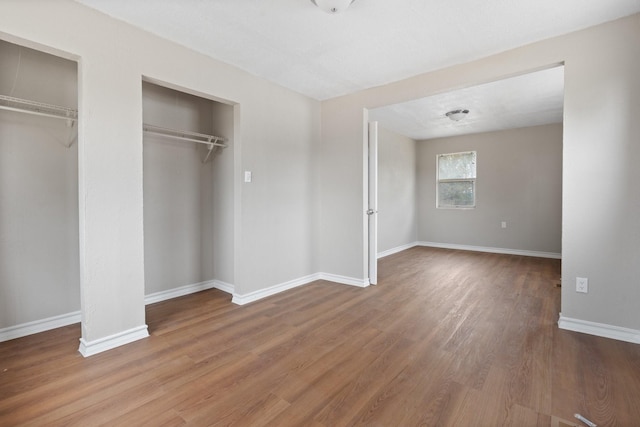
[188, 192]
[39, 243]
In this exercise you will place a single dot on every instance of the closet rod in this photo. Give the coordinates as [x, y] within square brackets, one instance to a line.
[37, 108]
[209, 140]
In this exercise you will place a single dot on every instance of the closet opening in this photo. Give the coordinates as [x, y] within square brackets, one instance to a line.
[188, 193]
[39, 237]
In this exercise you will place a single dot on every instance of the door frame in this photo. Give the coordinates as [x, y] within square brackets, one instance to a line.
[371, 236]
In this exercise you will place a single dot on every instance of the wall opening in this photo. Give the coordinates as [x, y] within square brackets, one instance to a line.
[39, 243]
[516, 124]
[188, 194]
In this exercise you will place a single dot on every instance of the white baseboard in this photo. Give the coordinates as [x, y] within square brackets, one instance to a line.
[599, 329]
[89, 348]
[263, 293]
[536, 254]
[186, 290]
[223, 286]
[344, 280]
[38, 326]
[107, 343]
[42, 325]
[397, 249]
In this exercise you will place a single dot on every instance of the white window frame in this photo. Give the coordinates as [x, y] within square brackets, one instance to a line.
[438, 181]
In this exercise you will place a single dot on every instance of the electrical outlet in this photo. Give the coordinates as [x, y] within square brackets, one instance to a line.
[582, 285]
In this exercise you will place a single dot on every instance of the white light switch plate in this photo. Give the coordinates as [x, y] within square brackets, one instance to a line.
[247, 176]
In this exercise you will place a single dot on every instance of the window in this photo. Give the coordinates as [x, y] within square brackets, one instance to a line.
[456, 180]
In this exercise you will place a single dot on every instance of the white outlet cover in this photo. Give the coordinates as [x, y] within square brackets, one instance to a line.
[582, 284]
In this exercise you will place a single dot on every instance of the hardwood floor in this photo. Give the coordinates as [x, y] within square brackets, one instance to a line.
[446, 338]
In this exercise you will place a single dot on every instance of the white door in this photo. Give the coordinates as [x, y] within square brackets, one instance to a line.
[372, 212]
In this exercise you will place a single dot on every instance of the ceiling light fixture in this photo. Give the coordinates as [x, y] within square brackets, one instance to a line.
[333, 6]
[457, 115]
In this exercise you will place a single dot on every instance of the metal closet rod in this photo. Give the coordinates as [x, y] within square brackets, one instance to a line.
[58, 112]
[10, 103]
[184, 135]
[210, 140]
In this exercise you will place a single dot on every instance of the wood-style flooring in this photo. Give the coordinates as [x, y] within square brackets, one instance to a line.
[447, 338]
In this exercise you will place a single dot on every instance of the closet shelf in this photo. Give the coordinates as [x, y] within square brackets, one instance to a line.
[38, 108]
[211, 141]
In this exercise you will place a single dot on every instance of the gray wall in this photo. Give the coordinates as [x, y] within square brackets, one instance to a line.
[180, 207]
[275, 132]
[222, 196]
[39, 270]
[308, 160]
[600, 208]
[397, 224]
[519, 180]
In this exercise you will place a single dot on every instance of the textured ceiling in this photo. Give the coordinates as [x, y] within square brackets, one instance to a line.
[295, 44]
[527, 100]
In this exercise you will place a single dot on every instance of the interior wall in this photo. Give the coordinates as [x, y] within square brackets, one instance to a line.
[275, 138]
[601, 212]
[397, 221]
[342, 187]
[178, 192]
[519, 181]
[601, 205]
[223, 182]
[275, 131]
[39, 265]
[277, 206]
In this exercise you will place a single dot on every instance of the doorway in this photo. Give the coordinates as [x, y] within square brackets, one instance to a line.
[533, 226]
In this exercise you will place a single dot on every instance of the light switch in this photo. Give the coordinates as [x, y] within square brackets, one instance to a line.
[247, 176]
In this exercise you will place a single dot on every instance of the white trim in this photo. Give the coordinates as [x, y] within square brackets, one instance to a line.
[344, 280]
[103, 344]
[223, 286]
[186, 290]
[276, 289]
[599, 329]
[37, 326]
[89, 348]
[397, 249]
[42, 325]
[536, 254]
[263, 293]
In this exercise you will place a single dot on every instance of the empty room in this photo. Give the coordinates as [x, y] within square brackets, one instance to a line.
[319, 213]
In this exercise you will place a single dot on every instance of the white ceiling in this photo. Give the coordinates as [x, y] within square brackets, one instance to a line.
[295, 44]
[375, 42]
[527, 100]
